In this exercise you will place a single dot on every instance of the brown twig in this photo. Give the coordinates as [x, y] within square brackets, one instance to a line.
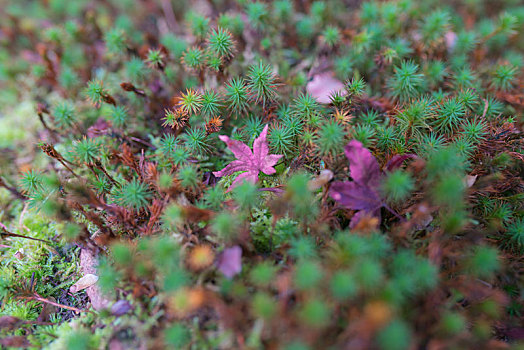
[52, 152]
[41, 109]
[5, 232]
[37, 297]
[13, 190]
[138, 140]
[97, 164]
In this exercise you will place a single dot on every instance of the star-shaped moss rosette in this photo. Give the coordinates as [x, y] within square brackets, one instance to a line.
[251, 162]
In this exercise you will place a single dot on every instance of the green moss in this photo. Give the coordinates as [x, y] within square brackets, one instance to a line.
[112, 117]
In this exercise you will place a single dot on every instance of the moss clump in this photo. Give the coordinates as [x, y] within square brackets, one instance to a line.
[254, 174]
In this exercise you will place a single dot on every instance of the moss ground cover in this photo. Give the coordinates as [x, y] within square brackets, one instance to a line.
[237, 174]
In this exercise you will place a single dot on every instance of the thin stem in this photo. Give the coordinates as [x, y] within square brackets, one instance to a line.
[13, 190]
[37, 297]
[62, 161]
[47, 127]
[394, 212]
[10, 234]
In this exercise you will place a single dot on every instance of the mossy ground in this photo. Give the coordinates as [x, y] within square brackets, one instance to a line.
[118, 118]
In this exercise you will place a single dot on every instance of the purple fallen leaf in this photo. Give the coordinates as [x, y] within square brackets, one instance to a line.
[451, 40]
[251, 162]
[209, 179]
[363, 193]
[230, 261]
[31, 56]
[396, 161]
[355, 196]
[323, 85]
[514, 333]
[272, 189]
[120, 308]
[363, 167]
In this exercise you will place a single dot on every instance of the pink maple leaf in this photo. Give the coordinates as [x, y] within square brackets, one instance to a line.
[230, 261]
[250, 162]
[323, 85]
[363, 193]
